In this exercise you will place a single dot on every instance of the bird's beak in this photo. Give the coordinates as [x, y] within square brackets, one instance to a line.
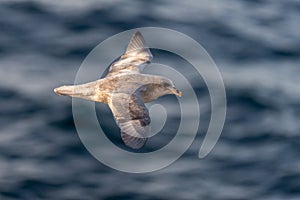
[176, 91]
[84, 91]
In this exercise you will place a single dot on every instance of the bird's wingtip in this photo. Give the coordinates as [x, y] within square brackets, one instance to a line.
[61, 90]
[137, 33]
[57, 91]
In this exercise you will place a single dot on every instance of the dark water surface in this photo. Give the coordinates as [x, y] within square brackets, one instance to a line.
[256, 45]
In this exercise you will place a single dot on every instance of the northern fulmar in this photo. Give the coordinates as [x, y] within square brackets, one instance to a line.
[125, 90]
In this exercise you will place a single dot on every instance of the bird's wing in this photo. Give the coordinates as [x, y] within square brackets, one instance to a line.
[137, 53]
[132, 117]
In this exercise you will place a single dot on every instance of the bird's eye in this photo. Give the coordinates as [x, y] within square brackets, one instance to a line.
[166, 84]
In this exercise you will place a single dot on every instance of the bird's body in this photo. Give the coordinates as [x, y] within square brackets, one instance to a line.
[126, 90]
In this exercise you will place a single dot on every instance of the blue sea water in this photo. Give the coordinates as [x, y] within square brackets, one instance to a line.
[256, 45]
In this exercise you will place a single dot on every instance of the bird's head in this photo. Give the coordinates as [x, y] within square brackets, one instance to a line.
[170, 88]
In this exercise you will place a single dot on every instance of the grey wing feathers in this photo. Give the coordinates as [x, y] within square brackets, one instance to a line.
[137, 44]
[133, 137]
[132, 117]
[137, 53]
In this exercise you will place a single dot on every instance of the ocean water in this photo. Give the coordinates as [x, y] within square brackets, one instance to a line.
[256, 45]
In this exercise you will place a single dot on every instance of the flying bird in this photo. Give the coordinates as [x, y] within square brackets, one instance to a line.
[126, 91]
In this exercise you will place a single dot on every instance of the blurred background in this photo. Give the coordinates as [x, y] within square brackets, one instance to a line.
[256, 45]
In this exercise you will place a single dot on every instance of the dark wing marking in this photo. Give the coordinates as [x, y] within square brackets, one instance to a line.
[137, 53]
[132, 117]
